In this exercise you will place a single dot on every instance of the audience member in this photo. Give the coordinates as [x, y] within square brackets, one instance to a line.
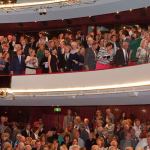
[17, 65]
[31, 63]
[105, 133]
[68, 119]
[77, 52]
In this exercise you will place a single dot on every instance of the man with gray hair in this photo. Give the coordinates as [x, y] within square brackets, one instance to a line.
[122, 57]
[90, 55]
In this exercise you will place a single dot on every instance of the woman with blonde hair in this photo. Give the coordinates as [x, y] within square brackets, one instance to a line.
[95, 147]
[63, 147]
[142, 52]
[74, 57]
[100, 143]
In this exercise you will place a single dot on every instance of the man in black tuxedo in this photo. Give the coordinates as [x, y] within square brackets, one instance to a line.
[25, 47]
[122, 57]
[65, 63]
[115, 43]
[17, 65]
[32, 43]
[11, 46]
[51, 45]
[27, 131]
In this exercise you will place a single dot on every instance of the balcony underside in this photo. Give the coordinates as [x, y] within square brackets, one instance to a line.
[120, 86]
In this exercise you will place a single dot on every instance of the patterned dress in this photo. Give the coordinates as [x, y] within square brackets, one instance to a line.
[142, 55]
[103, 60]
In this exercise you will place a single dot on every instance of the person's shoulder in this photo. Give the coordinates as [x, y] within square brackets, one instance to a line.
[120, 50]
[142, 143]
[143, 140]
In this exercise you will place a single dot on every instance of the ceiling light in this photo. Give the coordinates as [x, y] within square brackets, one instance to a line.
[144, 110]
[117, 12]
[131, 9]
[135, 93]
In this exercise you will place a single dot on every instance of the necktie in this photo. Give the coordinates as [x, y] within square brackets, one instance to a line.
[66, 57]
[126, 57]
[19, 59]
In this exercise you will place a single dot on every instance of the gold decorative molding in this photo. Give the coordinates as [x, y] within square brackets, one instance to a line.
[3, 93]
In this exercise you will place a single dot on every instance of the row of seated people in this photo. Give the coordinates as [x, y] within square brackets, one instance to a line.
[103, 132]
[74, 53]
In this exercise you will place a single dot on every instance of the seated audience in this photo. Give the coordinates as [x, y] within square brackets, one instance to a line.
[123, 135]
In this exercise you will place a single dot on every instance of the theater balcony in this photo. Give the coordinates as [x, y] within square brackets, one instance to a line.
[120, 86]
[35, 11]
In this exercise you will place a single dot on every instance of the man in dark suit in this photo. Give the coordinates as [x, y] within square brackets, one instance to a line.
[11, 46]
[25, 47]
[125, 37]
[32, 43]
[17, 65]
[65, 63]
[115, 43]
[27, 131]
[122, 57]
[90, 55]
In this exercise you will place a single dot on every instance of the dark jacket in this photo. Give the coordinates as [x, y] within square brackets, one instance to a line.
[16, 66]
[120, 59]
[90, 59]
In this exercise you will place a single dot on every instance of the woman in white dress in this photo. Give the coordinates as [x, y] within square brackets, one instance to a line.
[31, 63]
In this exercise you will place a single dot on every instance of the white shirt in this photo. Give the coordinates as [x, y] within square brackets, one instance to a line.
[36, 136]
[125, 54]
[81, 142]
[115, 48]
[66, 56]
[73, 51]
[87, 129]
[19, 57]
[142, 143]
[137, 130]
[28, 132]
